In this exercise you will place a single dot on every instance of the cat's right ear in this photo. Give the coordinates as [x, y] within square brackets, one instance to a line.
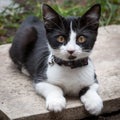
[51, 18]
[92, 16]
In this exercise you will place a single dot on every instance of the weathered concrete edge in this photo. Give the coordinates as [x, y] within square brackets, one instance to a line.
[74, 113]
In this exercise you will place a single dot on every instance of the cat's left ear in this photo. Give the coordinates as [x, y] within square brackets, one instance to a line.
[51, 18]
[92, 16]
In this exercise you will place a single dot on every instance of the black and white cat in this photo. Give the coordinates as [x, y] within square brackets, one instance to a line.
[55, 53]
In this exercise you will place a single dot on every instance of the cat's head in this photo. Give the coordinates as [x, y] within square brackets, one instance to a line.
[71, 38]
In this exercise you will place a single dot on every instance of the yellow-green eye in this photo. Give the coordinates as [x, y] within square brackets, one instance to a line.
[81, 39]
[61, 39]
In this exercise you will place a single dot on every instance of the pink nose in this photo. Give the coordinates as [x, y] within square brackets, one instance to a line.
[71, 51]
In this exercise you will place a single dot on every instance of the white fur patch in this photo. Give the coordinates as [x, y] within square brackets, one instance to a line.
[71, 80]
[92, 101]
[71, 45]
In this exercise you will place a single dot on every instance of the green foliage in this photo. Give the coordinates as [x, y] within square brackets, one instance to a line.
[11, 17]
[110, 11]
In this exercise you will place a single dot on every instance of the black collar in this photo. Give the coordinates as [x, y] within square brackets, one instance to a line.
[72, 64]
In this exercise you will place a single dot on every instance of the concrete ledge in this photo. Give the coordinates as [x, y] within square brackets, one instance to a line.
[19, 101]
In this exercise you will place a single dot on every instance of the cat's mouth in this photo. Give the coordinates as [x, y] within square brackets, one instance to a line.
[71, 57]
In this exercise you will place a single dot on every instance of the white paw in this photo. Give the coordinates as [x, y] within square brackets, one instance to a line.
[92, 102]
[55, 104]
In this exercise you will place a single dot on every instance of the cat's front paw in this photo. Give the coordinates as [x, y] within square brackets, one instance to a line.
[92, 102]
[55, 104]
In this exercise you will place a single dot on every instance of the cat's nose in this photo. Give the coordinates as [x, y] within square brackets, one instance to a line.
[71, 51]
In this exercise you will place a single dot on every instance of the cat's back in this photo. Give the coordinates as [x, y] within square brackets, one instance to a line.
[30, 36]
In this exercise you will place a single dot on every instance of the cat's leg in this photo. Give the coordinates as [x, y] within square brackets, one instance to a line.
[91, 100]
[55, 101]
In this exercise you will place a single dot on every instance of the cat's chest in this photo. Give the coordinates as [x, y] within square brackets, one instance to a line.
[70, 80]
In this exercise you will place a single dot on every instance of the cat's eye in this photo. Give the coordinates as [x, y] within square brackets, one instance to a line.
[61, 39]
[81, 39]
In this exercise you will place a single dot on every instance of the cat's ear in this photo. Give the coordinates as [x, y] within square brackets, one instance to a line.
[92, 16]
[51, 18]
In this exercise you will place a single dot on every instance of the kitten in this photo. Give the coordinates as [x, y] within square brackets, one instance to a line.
[55, 53]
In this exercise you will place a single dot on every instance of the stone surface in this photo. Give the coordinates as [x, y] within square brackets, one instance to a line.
[19, 101]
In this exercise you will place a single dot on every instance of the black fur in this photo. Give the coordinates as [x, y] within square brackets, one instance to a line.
[29, 48]
[83, 91]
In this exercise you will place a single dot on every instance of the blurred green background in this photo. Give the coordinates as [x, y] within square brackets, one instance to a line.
[13, 15]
